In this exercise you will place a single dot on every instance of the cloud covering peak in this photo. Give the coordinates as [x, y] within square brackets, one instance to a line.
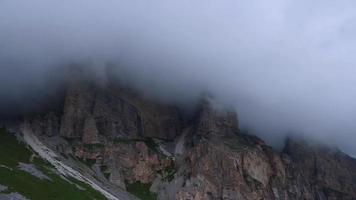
[286, 65]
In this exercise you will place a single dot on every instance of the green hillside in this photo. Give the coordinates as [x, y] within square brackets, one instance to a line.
[53, 187]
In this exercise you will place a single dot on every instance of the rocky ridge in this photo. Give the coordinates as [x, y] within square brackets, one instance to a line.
[125, 138]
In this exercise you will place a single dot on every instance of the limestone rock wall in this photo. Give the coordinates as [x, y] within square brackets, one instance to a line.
[129, 138]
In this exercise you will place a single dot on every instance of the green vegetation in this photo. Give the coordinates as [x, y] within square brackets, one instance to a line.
[141, 190]
[12, 152]
[93, 146]
[104, 170]
[34, 188]
[148, 141]
[107, 175]
[151, 144]
[88, 162]
[168, 174]
[127, 141]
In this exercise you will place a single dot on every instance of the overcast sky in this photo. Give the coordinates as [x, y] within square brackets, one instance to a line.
[285, 65]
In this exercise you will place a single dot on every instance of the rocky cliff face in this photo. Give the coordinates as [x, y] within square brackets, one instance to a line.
[127, 139]
[98, 113]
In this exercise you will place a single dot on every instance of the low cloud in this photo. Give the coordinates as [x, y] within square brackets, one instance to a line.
[285, 65]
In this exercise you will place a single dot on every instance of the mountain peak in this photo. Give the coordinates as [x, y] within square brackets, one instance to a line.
[131, 141]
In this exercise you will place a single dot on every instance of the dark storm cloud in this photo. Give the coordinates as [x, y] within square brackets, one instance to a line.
[286, 65]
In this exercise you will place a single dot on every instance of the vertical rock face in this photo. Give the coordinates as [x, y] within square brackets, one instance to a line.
[229, 167]
[78, 105]
[90, 131]
[89, 108]
[216, 121]
[47, 124]
[332, 171]
[134, 139]
[224, 164]
[236, 168]
[115, 117]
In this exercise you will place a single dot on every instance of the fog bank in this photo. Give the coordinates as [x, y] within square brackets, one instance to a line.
[285, 65]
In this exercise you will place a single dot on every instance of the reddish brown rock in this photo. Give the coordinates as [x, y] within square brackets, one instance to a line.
[204, 157]
[90, 132]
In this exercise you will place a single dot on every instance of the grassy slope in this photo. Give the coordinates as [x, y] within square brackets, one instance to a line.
[12, 152]
[141, 190]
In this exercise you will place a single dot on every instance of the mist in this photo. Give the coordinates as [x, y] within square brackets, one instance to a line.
[286, 66]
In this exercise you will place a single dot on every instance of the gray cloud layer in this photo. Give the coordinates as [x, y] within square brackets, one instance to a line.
[286, 65]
